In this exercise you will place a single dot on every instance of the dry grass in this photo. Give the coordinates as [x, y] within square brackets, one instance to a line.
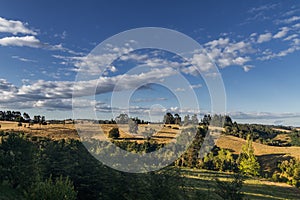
[282, 130]
[96, 131]
[235, 144]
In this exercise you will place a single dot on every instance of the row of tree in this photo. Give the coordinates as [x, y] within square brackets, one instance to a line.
[18, 117]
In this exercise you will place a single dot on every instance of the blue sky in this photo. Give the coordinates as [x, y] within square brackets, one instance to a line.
[254, 44]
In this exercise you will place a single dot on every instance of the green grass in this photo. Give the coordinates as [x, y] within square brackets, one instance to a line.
[203, 182]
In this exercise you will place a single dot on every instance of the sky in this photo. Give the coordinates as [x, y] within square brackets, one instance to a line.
[255, 46]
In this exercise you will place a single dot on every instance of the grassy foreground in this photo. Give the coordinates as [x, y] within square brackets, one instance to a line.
[203, 182]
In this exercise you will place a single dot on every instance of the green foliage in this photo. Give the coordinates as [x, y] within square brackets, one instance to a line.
[191, 156]
[60, 188]
[222, 161]
[295, 137]
[169, 119]
[18, 161]
[289, 172]
[230, 190]
[247, 162]
[114, 133]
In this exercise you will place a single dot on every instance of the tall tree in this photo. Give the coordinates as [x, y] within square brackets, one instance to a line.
[177, 119]
[168, 118]
[122, 118]
[247, 162]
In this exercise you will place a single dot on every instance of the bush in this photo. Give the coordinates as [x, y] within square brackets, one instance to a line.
[114, 133]
[52, 190]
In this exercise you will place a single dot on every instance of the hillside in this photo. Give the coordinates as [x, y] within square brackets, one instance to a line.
[235, 144]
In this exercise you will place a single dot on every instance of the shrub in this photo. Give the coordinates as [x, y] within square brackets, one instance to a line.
[52, 190]
[114, 133]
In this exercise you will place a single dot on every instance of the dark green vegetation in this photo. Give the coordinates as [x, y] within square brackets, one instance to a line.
[114, 133]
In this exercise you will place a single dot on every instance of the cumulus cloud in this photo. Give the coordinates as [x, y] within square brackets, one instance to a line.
[227, 53]
[51, 92]
[281, 33]
[27, 41]
[264, 37]
[14, 27]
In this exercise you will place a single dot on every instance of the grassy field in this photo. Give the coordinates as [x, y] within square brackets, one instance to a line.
[97, 131]
[235, 144]
[203, 181]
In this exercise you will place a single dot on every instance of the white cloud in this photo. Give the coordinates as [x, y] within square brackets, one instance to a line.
[139, 100]
[247, 68]
[282, 53]
[196, 86]
[23, 59]
[203, 63]
[52, 90]
[296, 25]
[289, 20]
[290, 37]
[179, 90]
[27, 41]
[221, 42]
[14, 27]
[263, 8]
[264, 37]
[262, 115]
[282, 32]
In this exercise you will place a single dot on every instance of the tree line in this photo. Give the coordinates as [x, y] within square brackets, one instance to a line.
[17, 116]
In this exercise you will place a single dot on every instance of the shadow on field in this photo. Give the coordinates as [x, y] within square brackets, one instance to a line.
[270, 162]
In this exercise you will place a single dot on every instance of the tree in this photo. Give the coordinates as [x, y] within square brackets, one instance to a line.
[177, 119]
[37, 119]
[247, 162]
[114, 133]
[224, 160]
[168, 118]
[52, 190]
[26, 116]
[18, 161]
[122, 118]
[206, 120]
